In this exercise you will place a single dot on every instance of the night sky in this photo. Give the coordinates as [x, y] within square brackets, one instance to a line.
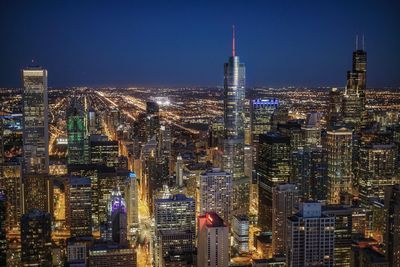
[178, 43]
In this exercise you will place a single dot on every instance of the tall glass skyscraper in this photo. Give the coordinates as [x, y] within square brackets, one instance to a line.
[35, 121]
[234, 95]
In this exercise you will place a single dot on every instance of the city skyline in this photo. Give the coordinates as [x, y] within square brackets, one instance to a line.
[285, 44]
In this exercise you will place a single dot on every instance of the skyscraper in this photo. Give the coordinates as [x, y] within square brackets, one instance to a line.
[234, 95]
[132, 202]
[354, 95]
[179, 171]
[35, 121]
[213, 241]
[36, 238]
[272, 168]
[78, 206]
[311, 237]
[339, 163]
[261, 115]
[152, 119]
[285, 200]
[240, 233]
[119, 222]
[215, 193]
[392, 233]
[77, 134]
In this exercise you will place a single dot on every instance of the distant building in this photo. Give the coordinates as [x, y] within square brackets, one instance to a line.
[152, 119]
[213, 241]
[311, 237]
[77, 134]
[179, 171]
[3, 240]
[240, 233]
[215, 193]
[285, 200]
[78, 205]
[36, 238]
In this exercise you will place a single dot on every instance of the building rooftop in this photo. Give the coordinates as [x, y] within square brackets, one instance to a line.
[213, 220]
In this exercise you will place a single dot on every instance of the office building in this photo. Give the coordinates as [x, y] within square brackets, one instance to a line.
[77, 134]
[215, 193]
[311, 237]
[213, 241]
[343, 232]
[233, 162]
[119, 224]
[179, 171]
[78, 204]
[392, 233]
[105, 255]
[132, 203]
[285, 200]
[377, 169]
[312, 130]
[339, 163]
[261, 114]
[334, 116]
[272, 168]
[152, 119]
[176, 248]
[240, 233]
[36, 238]
[104, 152]
[35, 121]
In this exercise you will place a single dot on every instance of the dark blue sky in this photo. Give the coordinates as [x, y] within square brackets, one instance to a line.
[180, 43]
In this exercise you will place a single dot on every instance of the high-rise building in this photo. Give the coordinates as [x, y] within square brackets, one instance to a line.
[240, 233]
[175, 248]
[174, 218]
[215, 193]
[36, 238]
[339, 163]
[272, 168]
[335, 107]
[118, 218]
[354, 95]
[78, 204]
[392, 233]
[311, 237]
[343, 232]
[152, 119]
[234, 95]
[105, 255]
[377, 169]
[132, 202]
[213, 241]
[77, 134]
[104, 152]
[261, 114]
[179, 171]
[92, 121]
[285, 200]
[312, 130]
[35, 121]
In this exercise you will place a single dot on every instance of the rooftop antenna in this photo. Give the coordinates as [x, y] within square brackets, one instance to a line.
[363, 44]
[233, 41]
[357, 42]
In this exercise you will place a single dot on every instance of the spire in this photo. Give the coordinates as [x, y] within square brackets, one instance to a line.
[363, 44]
[233, 41]
[356, 42]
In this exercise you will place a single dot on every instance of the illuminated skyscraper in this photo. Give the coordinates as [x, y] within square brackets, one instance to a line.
[77, 134]
[119, 222]
[339, 163]
[311, 237]
[215, 193]
[285, 200]
[272, 168]
[335, 107]
[179, 171]
[213, 241]
[36, 238]
[234, 95]
[35, 121]
[132, 202]
[78, 206]
[354, 95]
[377, 169]
[261, 114]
